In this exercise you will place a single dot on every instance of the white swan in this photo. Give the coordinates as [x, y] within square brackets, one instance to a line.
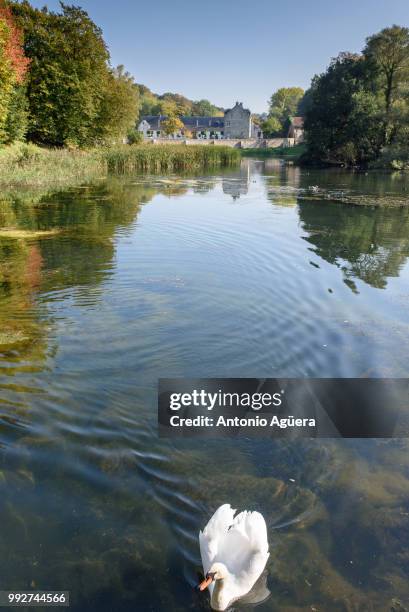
[234, 553]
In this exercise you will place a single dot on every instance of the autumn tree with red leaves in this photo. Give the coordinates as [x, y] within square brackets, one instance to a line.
[13, 69]
[14, 45]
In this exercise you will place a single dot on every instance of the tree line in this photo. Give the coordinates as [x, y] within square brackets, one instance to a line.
[357, 111]
[175, 105]
[58, 88]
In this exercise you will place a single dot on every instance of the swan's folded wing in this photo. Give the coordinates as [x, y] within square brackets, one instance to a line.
[213, 534]
[235, 547]
[256, 530]
[244, 548]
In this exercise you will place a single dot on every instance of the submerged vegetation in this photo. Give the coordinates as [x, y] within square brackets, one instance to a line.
[28, 165]
[314, 496]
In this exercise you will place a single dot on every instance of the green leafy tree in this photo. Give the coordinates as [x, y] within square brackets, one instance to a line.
[358, 110]
[304, 104]
[134, 136]
[171, 125]
[204, 108]
[343, 121]
[179, 104]
[17, 117]
[174, 104]
[388, 52]
[148, 100]
[284, 103]
[119, 107]
[68, 77]
[168, 107]
[271, 127]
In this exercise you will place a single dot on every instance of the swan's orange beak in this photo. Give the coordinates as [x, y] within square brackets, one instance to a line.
[206, 582]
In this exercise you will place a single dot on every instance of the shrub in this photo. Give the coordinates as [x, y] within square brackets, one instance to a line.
[135, 137]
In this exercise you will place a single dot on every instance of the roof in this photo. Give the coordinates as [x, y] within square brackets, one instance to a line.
[189, 122]
[238, 105]
[216, 122]
[297, 122]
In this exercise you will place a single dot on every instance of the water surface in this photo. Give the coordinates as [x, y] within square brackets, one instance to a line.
[261, 271]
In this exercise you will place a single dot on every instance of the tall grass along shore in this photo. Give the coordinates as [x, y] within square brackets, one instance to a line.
[32, 166]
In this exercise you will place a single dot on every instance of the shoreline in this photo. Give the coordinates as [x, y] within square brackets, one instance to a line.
[25, 165]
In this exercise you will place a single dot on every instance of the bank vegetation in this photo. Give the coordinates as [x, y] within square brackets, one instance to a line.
[357, 111]
[26, 164]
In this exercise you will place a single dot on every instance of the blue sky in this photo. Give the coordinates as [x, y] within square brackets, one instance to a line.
[228, 50]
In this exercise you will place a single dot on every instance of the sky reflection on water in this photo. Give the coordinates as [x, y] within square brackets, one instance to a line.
[260, 271]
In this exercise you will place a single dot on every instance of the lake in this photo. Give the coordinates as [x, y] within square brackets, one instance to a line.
[260, 271]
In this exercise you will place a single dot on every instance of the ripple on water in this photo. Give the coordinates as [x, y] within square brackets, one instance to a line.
[196, 284]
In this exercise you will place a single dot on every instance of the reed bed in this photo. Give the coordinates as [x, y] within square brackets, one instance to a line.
[169, 158]
[27, 165]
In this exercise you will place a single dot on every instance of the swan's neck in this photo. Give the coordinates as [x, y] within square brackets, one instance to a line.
[220, 596]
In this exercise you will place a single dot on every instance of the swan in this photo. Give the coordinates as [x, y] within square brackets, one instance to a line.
[234, 553]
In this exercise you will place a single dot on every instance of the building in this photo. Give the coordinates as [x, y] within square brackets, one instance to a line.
[236, 123]
[296, 129]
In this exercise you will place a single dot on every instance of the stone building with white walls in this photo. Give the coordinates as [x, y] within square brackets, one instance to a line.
[236, 123]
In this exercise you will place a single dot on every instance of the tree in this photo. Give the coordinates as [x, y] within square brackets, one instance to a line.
[174, 104]
[69, 74]
[358, 109]
[134, 136]
[204, 108]
[14, 49]
[171, 125]
[284, 103]
[6, 76]
[167, 107]
[179, 104]
[304, 104]
[148, 100]
[13, 68]
[120, 105]
[271, 127]
[17, 117]
[388, 52]
[342, 123]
